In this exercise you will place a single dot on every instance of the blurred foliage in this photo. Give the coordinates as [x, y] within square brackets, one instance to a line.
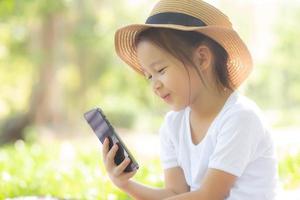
[289, 171]
[276, 84]
[86, 64]
[63, 170]
[73, 171]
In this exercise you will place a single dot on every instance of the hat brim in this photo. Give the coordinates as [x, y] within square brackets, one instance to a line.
[239, 60]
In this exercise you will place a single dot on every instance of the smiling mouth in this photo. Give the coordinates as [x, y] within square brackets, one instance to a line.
[166, 97]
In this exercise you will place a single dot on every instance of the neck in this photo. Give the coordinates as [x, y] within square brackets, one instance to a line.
[209, 105]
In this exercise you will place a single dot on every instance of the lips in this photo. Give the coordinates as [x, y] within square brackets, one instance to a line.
[165, 97]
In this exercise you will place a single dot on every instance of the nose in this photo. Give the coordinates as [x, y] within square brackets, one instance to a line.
[156, 84]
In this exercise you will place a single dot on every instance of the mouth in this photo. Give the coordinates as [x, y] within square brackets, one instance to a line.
[165, 97]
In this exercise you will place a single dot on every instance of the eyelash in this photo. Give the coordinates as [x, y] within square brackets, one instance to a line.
[159, 71]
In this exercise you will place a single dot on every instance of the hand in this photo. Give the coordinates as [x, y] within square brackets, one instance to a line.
[115, 173]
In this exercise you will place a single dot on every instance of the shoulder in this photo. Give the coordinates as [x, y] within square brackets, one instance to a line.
[242, 107]
[242, 113]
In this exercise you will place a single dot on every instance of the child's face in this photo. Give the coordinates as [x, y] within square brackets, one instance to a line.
[169, 78]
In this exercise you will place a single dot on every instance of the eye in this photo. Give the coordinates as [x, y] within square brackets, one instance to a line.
[149, 77]
[162, 70]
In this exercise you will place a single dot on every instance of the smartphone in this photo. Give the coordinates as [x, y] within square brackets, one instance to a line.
[103, 129]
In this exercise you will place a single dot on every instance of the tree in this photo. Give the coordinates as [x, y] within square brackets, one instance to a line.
[41, 107]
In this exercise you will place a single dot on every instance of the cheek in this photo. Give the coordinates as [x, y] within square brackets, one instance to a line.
[180, 83]
[189, 85]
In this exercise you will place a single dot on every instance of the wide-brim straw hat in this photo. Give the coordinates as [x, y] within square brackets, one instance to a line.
[189, 15]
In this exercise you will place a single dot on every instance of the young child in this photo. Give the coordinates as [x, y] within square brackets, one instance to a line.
[214, 143]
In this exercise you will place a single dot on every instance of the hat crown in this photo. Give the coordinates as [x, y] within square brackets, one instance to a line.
[195, 8]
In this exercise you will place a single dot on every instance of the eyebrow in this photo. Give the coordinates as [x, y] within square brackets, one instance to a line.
[152, 64]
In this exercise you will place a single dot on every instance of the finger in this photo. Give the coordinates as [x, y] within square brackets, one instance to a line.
[111, 155]
[129, 174]
[121, 167]
[105, 148]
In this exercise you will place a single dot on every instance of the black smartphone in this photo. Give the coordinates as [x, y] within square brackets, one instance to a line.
[103, 129]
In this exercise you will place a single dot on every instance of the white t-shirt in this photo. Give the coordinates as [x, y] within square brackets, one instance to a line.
[236, 142]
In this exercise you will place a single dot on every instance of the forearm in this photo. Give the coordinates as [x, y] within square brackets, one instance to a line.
[142, 192]
[195, 195]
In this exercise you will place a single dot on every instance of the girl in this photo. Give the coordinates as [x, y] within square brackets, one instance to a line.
[214, 143]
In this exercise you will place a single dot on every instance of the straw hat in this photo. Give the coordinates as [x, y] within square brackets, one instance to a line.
[189, 15]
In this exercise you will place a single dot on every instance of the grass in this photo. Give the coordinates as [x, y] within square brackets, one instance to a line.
[69, 171]
[61, 170]
[289, 171]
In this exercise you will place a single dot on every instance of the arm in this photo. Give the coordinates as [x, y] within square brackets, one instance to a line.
[216, 186]
[174, 179]
[174, 184]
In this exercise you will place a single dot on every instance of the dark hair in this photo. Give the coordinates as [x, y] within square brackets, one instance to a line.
[181, 45]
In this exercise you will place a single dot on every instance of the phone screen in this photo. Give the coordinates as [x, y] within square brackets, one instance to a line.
[103, 129]
[98, 124]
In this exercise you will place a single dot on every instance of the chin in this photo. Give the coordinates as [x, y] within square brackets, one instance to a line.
[177, 107]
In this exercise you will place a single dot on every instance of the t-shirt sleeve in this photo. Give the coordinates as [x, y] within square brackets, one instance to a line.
[167, 148]
[236, 143]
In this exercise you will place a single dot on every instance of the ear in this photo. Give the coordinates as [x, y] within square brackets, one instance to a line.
[203, 57]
